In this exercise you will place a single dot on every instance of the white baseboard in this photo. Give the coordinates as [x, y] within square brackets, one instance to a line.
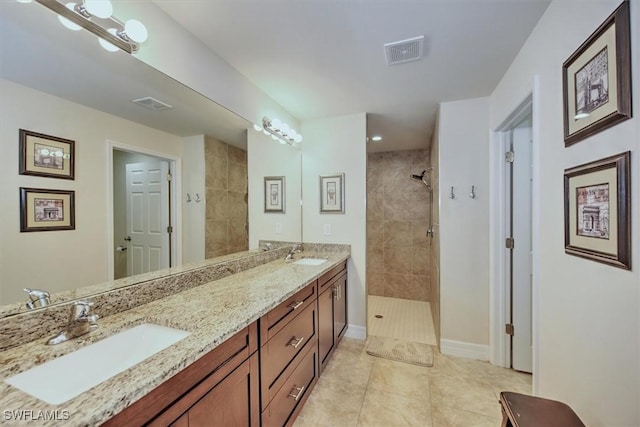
[464, 349]
[356, 332]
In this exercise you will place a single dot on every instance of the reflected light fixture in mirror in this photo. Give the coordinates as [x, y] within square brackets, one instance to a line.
[279, 131]
[96, 16]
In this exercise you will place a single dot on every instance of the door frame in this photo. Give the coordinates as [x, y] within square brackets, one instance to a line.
[175, 166]
[499, 284]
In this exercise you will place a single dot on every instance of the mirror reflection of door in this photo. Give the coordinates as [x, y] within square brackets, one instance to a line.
[142, 241]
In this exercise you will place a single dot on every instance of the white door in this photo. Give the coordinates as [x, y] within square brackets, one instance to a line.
[522, 265]
[147, 216]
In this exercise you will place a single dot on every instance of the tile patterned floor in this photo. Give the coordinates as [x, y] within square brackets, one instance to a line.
[402, 318]
[357, 389]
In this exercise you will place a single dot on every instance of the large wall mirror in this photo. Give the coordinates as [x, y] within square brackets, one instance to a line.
[61, 83]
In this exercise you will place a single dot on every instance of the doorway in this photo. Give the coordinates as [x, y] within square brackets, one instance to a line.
[143, 207]
[514, 230]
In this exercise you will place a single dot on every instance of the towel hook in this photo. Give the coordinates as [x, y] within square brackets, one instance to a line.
[452, 195]
[473, 192]
[197, 198]
[188, 198]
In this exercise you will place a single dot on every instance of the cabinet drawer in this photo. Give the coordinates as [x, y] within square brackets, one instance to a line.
[293, 392]
[286, 344]
[325, 279]
[272, 322]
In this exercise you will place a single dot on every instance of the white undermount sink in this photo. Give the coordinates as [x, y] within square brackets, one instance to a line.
[310, 261]
[66, 377]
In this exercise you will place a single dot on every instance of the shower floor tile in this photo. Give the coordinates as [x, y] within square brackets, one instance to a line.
[402, 319]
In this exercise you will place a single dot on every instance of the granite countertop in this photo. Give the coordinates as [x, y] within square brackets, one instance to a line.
[212, 313]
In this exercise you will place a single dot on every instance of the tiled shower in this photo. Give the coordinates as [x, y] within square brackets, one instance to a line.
[398, 250]
[226, 210]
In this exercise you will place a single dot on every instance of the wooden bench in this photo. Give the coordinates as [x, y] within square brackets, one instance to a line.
[520, 410]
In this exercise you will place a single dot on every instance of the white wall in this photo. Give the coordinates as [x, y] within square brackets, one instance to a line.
[60, 260]
[338, 145]
[463, 141]
[193, 214]
[588, 313]
[266, 157]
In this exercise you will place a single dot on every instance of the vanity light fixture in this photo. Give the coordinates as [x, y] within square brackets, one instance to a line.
[96, 16]
[279, 131]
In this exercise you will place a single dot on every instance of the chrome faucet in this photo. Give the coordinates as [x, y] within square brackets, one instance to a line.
[37, 298]
[297, 248]
[81, 322]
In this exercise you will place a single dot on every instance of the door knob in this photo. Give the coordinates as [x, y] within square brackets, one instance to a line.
[128, 238]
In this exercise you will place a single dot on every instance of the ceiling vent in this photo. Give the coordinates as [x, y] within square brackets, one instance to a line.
[152, 104]
[404, 50]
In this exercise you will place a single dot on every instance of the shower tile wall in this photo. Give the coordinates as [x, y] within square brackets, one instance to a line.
[398, 252]
[226, 210]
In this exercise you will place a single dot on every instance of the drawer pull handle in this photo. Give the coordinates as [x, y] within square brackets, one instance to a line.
[296, 304]
[297, 395]
[295, 342]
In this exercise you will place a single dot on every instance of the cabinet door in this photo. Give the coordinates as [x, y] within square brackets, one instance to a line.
[340, 308]
[233, 402]
[325, 325]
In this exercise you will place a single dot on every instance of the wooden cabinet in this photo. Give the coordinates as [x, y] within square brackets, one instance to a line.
[237, 385]
[332, 311]
[219, 389]
[288, 356]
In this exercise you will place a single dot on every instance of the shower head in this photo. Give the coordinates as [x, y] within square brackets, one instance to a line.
[421, 179]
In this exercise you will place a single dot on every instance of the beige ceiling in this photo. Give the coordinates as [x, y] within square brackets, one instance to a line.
[321, 58]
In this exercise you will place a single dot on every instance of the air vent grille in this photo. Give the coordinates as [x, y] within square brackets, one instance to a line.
[152, 104]
[404, 50]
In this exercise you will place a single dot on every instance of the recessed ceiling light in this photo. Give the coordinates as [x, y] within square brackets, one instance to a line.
[376, 138]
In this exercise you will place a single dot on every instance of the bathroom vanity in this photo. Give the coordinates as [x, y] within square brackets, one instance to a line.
[257, 343]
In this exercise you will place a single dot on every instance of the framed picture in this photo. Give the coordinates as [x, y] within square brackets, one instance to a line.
[274, 200]
[597, 80]
[46, 210]
[46, 155]
[597, 211]
[332, 193]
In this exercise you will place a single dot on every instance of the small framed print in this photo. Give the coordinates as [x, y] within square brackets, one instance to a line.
[46, 210]
[597, 80]
[46, 155]
[274, 200]
[597, 211]
[332, 193]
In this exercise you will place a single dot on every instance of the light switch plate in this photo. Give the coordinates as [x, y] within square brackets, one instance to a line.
[327, 229]
[278, 227]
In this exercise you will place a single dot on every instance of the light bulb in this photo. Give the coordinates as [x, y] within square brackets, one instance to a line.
[100, 8]
[58, 153]
[44, 152]
[275, 138]
[276, 123]
[136, 30]
[282, 141]
[106, 45]
[265, 132]
[285, 128]
[298, 138]
[257, 128]
[67, 23]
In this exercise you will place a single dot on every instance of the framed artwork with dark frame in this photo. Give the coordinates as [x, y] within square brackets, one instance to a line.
[597, 80]
[597, 211]
[46, 155]
[274, 196]
[332, 193]
[47, 210]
